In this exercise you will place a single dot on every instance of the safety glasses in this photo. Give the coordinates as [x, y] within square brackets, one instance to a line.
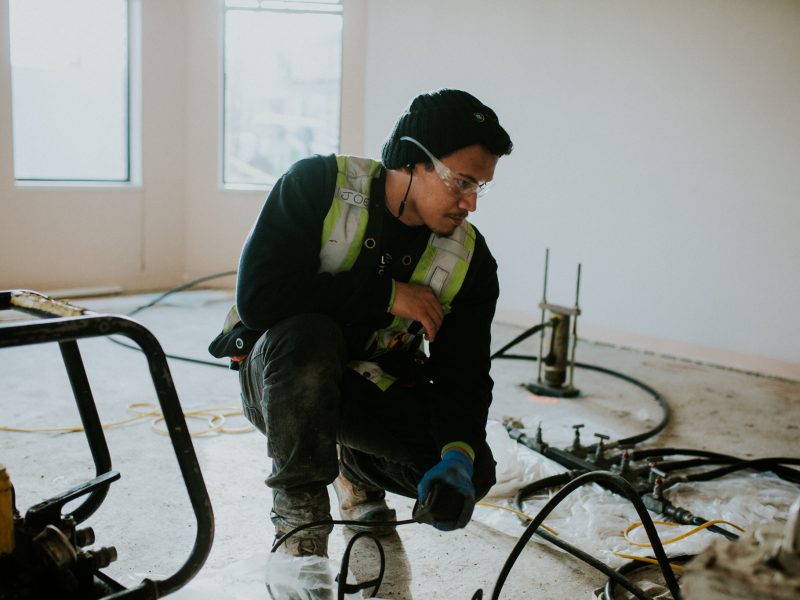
[458, 185]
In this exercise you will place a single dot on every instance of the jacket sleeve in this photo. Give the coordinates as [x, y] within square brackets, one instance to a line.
[459, 358]
[278, 270]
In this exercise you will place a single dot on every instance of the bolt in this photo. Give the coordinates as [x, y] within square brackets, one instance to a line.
[576, 442]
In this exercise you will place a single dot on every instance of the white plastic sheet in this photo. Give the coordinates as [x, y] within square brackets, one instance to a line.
[594, 519]
[290, 578]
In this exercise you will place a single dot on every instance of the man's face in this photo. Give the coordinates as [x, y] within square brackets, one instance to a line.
[439, 203]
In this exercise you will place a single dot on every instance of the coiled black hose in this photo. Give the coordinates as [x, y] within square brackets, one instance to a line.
[623, 488]
[627, 568]
[628, 441]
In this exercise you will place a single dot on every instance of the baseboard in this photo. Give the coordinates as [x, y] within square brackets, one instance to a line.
[717, 357]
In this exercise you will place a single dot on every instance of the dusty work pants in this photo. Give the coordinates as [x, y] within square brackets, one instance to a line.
[297, 389]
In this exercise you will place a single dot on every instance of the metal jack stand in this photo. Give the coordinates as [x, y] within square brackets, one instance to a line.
[43, 554]
[561, 355]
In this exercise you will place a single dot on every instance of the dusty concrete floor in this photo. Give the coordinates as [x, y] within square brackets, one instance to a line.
[147, 514]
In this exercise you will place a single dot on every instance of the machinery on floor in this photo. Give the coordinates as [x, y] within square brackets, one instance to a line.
[46, 553]
[641, 475]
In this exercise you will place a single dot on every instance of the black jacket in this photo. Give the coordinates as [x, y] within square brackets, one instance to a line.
[278, 278]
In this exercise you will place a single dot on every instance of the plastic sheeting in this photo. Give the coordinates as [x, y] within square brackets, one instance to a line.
[289, 578]
[591, 518]
[594, 519]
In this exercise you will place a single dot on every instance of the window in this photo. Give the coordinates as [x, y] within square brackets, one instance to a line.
[282, 86]
[69, 81]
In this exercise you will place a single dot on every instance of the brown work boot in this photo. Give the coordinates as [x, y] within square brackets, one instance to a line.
[359, 504]
[304, 543]
[293, 510]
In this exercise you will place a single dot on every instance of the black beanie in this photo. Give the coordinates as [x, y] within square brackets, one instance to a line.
[443, 121]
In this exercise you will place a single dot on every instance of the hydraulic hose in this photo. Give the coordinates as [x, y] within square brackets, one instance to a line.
[640, 454]
[630, 567]
[625, 489]
[761, 464]
[613, 575]
[765, 464]
[675, 465]
[180, 288]
[665, 410]
[520, 338]
[347, 588]
[540, 485]
[629, 441]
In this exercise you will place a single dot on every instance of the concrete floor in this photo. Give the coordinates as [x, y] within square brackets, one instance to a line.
[147, 517]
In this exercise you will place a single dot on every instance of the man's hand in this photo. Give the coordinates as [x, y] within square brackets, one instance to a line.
[418, 303]
[455, 471]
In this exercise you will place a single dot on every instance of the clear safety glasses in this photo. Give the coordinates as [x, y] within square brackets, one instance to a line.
[458, 185]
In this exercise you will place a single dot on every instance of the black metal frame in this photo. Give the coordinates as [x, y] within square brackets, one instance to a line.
[66, 330]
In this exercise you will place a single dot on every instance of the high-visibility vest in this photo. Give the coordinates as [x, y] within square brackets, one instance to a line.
[442, 266]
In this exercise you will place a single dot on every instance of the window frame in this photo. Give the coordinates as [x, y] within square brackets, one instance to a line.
[132, 119]
[222, 133]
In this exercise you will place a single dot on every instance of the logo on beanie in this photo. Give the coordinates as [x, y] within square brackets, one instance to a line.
[479, 117]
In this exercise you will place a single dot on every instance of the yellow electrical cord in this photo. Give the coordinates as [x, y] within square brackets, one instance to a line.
[647, 559]
[215, 418]
[516, 512]
[678, 538]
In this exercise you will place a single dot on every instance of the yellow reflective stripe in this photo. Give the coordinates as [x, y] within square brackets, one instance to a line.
[372, 373]
[345, 224]
[231, 320]
[331, 218]
[374, 170]
[391, 296]
[459, 273]
[418, 276]
[355, 246]
[424, 265]
[431, 261]
[398, 324]
[341, 171]
[463, 446]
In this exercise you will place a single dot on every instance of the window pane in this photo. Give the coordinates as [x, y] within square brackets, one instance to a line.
[282, 90]
[69, 81]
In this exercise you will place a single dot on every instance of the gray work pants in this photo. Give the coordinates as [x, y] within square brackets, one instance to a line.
[297, 389]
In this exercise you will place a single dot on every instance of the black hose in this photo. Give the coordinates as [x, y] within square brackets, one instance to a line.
[774, 464]
[634, 439]
[629, 441]
[342, 580]
[665, 410]
[762, 464]
[634, 565]
[612, 574]
[640, 454]
[346, 588]
[560, 479]
[541, 485]
[520, 338]
[625, 489]
[180, 288]
[280, 541]
[690, 463]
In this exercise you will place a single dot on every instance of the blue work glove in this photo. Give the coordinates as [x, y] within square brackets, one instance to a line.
[455, 471]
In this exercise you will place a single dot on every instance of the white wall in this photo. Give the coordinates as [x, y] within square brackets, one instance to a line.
[656, 143]
[133, 236]
[177, 222]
